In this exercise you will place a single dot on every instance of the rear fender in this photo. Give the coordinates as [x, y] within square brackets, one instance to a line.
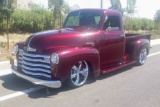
[69, 57]
[139, 44]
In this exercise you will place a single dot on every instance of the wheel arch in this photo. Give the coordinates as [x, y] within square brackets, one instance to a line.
[139, 44]
[74, 55]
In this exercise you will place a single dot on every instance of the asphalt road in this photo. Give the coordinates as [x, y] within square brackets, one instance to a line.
[133, 86]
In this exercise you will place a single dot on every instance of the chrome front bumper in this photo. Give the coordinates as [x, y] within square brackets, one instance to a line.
[51, 84]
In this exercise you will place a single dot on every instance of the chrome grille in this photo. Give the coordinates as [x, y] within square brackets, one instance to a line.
[34, 64]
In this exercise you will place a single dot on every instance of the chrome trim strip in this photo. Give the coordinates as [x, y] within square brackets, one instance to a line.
[36, 69]
[35, 60]
[51, 83]
[40, 74]
[31, 39]
[34, 65]
[32, 55]
[20, 58]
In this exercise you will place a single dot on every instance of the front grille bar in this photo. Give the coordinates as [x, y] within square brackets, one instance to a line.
[38, 74]
[31, 55]
[34, 64]
[36, 69]
[35, 60]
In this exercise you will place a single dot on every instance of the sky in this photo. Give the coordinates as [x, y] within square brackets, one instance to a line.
[145, 8]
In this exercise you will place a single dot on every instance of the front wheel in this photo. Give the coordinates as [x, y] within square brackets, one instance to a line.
[142, 56]
[78, 75]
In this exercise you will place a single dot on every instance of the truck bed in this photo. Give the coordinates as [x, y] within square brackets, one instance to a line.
[133, 37]
[138, 36]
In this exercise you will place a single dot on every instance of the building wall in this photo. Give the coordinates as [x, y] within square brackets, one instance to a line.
[22, 4]
[27, 4]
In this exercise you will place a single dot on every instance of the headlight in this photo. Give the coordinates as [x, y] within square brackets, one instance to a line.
[55, 58]
[15, 50]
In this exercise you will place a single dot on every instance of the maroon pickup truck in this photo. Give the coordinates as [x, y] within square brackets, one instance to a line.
[91, 42]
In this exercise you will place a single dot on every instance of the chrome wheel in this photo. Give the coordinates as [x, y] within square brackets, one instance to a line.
[79, 73]
[142, 56]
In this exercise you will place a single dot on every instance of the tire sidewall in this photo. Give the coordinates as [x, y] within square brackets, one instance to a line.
[138, 59]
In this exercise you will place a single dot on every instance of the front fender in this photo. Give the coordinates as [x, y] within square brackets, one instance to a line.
[69, 57]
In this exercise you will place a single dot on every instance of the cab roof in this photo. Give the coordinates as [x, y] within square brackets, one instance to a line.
[104, 11]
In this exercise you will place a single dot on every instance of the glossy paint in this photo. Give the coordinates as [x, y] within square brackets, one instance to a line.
[99, 48]
[72, 46]
[135, 42]
[112, 49]
[71, 56]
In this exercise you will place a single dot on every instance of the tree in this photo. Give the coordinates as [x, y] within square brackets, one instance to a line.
[130, 9]
[66, 8]
[116, 5]
[59, 7]
[56, 7]
[6, 9]
[157, 19]
[75, 7]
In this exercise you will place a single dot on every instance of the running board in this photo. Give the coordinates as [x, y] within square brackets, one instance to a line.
[119, 66]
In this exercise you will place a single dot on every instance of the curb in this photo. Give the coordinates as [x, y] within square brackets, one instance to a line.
[155, 42]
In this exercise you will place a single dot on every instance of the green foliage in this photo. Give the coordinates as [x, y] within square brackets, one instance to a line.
[58, 7]
[6, 8]
[157, 19]
[138, 24]
[37, 19]
[2, 44]
[147, 24]
[34, 20]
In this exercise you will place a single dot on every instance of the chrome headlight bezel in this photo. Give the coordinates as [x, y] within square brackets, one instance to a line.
[54, 58]
[15, 50]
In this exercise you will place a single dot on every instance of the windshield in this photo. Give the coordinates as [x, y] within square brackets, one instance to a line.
[79, 18]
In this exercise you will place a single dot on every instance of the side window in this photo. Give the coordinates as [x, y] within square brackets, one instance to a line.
[97, 19]
[112, 23]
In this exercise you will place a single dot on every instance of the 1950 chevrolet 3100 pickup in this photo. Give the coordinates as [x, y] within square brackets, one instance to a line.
[92, 41]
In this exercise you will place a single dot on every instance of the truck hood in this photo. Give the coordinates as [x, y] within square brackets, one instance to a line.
[55, 40]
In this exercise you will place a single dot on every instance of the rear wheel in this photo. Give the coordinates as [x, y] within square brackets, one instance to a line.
[79, 74]
[142, 56]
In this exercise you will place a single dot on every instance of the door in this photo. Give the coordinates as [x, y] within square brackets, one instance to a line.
[113, 42]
